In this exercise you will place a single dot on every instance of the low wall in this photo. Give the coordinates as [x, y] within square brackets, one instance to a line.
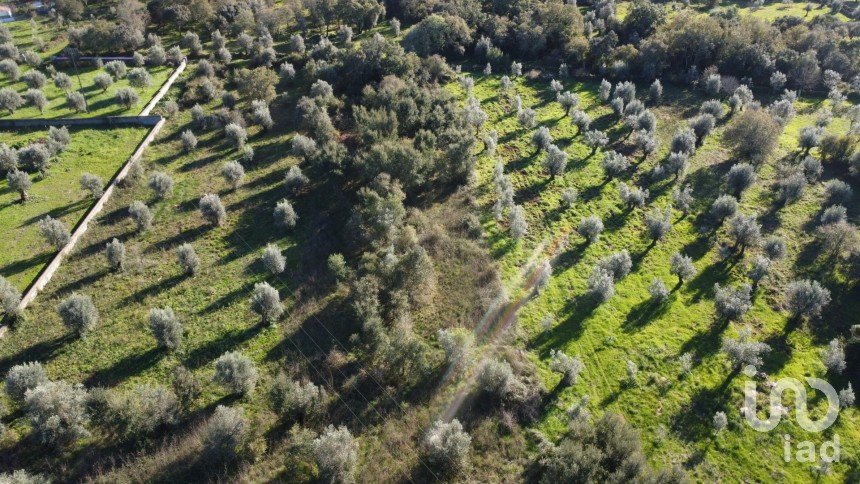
[103, 122]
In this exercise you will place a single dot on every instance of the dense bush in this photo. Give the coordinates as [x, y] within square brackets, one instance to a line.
[115, 254]
[233, 173]
[753, 134]
[285, 216]
[294, 399]
[730, 303]
[141, 215]
[742, 351]
[161, 184]
[212, 210]
[590, 228]
[224, 434]
[336, 453]
[806, 298]
[57, 412]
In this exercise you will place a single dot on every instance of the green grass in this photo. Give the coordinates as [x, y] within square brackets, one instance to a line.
[59, 194]
[24, 35]
[674, 416]
[100, 103]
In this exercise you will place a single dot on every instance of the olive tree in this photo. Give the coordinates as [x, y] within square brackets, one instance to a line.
[93, 184]
[10, 100]
[834, 357]
[447, 445]
[78, 313]
[806, 298]
[189, 141]
[57, 412]
[236, 372]
[139, 78]
[517, 223]
[742, 351]
[595, 139]
[266, 302]
[294, 180]
[115, 254]
[614, 164]
[745, 230]
[224, 433]
[10, 298]
[187, 258]
[37, 99]
[166, 328]
[233, 173]
[601, 285]
[20, 182]
[556, 161]
[127, 97]
[723, 207]
[681, 266]
[273, 260]
[23, 377]
[236, 135]
[741, 176]
[658, 223]
[285, 215]
[791, 188]
[161, 184]
[569, 367]
[54, 231]
[774, 247]
[730, 303]
[336, 454]
[103, 81]
[590, 228]
[212, 210]
[141, 215]
[76, 102]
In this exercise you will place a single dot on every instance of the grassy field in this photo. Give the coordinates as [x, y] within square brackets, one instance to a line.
[673, 415]
[27, 35]
[59, 195]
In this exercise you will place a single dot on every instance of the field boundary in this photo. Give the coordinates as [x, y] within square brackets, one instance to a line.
[157, 122]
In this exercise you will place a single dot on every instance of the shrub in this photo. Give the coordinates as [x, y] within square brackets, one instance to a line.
[712, 107]
[447, 445]
[336, 454]
[494, 377]
[233, 173]
[62, 81]
[846, 397]
[23, 377]
[236, 135]
[92, 184]
[287, 71]
[806, 298]
[266, 302]
[187, 258]
[57, 412]
[601, 285]
[115, 254]
[581, 120]
[273, 260]
[791, 188]
[10, 100]
[527, 118]
[655, 91]
[569, 367]
[541, 138]
[9, 68]
[166, 328]
[161, 184]
[732, 304]
[457, 344]
[224, 433]
[185, 386]
[658, 291]
[143, 410]
[590, 228]
[78, 313]
[741, 351]
[568, 197]
[174, 56]
[811, 168]
[682, 266]
[809, 137]
[294, 399]
[58, 139]
[212, 210]
[141, 215]
[753, 134]
[155, 56]
[54, 232]
[720, 422]
[284, 214]
[139, 78]
[191, 41]
[702, 126]
[127, 97]
[741, 176]
[76, 102]
[236, 372]
[189, 141]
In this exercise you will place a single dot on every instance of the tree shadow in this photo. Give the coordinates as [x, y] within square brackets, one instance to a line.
[125, 368]
[140, 296]
[43, 351]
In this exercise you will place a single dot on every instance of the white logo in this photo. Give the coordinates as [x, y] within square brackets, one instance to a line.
[777, 410]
